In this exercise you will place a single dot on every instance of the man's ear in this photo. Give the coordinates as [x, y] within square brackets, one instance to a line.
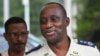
[5, 36]
[67, 21]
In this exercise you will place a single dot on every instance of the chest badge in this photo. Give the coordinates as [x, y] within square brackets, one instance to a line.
[74, 53]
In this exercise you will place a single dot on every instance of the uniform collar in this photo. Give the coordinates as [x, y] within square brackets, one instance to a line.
[47, 49]
[71, 52]
[73, 48]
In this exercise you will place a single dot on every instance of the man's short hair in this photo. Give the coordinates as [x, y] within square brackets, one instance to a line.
[61, 6]
[13, 20]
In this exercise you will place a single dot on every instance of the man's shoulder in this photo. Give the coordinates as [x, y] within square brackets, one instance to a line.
[33, 50]
[86, 47]
[84, 43]
[5, 53]
[0, 54]
[39, 52]
[43, 51]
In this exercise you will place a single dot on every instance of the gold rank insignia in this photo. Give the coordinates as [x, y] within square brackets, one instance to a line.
[74, 53]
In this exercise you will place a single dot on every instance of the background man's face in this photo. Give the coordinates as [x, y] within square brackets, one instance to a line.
[17, 36]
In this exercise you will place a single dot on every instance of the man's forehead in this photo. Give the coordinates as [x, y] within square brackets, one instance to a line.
[51, 8]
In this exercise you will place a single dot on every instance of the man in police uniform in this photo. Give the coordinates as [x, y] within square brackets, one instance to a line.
[16, 34]
[53, 23]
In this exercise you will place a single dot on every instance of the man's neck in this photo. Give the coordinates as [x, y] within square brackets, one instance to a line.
[15, 53]
[61, 48]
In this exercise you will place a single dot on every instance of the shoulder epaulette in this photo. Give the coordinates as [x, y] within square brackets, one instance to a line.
[86, 43]
[34, 49]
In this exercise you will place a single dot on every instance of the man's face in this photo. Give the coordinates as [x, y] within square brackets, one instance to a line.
[53, 23]
[17, 36]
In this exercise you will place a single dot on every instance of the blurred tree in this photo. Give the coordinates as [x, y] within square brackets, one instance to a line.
[35, 7]
[88, 20]
[1, 13]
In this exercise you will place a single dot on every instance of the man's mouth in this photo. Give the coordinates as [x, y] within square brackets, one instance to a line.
[19, 44]
[49, 33]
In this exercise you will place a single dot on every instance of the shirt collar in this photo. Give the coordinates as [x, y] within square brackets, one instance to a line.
[72, 49]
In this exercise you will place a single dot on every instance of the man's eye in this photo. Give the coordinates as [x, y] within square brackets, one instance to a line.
[54, 18]
[43, 21]
[24, 33]
[14, 34]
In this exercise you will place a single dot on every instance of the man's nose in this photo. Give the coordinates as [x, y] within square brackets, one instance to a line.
[19, 38]
[49, 24]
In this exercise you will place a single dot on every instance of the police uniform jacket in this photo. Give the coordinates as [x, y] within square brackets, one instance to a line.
[75, 49]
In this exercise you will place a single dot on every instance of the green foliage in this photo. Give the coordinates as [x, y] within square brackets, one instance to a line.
[88, 21]
[35, 7]
[1, 13]
[16, 8]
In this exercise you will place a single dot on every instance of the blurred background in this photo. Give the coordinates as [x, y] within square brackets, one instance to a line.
[84, 16]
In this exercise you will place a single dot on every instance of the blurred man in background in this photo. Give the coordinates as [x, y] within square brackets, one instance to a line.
[16, 34]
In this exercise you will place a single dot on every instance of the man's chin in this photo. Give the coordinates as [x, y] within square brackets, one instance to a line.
[53, 41]
[20, 48]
